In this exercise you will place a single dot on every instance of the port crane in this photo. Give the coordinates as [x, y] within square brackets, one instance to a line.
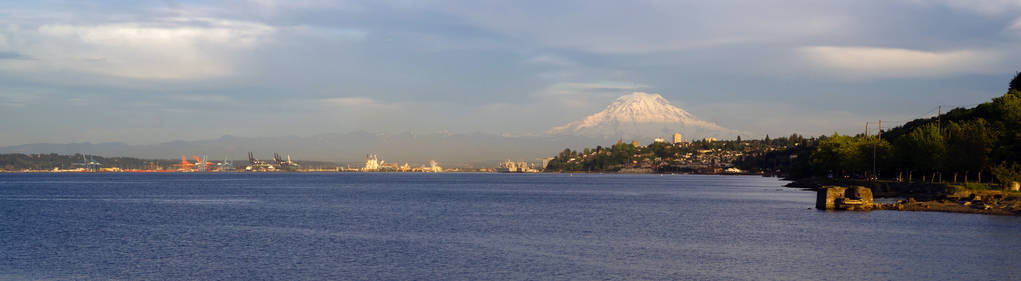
[287, 165]
[258, 165]
[185, 165]
[89, 164]
[202, 164]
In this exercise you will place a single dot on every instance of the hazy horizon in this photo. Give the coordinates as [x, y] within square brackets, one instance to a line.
[151, 72]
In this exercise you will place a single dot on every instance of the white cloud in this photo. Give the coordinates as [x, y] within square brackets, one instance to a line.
[173, 48]
[866, 62]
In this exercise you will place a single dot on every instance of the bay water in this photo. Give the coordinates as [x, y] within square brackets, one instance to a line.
[474, 226]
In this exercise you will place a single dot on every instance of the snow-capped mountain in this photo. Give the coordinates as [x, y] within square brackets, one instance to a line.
[641, 115]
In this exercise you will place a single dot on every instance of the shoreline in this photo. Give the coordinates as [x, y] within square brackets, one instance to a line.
[928, 197]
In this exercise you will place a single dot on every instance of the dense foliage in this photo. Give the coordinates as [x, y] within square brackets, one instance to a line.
[668, 157]
[1015, 84]
[965, 142]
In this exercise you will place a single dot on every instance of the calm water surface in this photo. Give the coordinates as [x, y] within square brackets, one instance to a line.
[474, 226]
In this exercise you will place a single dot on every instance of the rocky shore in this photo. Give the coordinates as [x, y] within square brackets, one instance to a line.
[920, 197]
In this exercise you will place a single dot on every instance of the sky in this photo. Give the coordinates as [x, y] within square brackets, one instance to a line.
[145, 72]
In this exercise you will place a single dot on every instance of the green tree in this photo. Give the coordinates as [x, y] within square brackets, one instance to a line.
[1015, 84]
[968, 145]
[922, 150]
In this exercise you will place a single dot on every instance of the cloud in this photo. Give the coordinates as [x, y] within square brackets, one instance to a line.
[8, 99]
[550, 60]
[12, 56]
[637, 27]
[202, 98]
[986, 7]
[169, 48]
[897, 63]
[352, 102]
[592, 88]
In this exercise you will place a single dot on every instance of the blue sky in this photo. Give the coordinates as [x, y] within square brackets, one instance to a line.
[154, 71]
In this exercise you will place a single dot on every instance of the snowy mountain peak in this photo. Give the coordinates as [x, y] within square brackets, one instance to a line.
[640, 114]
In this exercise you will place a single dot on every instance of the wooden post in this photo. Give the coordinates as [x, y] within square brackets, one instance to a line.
[955, 177]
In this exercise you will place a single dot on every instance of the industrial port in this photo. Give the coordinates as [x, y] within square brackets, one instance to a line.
[194, 163]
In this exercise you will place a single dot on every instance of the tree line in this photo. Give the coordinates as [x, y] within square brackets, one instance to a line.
[964, 145]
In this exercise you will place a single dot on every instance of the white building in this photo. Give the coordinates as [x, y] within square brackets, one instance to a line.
[372, 163]
[678, 138]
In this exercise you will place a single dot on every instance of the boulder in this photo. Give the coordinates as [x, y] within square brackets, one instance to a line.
[843, 198]
[826, 198]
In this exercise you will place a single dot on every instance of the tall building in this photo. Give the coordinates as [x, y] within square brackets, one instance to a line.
[678, 138]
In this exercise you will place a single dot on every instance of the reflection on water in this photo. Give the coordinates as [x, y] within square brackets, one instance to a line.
[473, 226]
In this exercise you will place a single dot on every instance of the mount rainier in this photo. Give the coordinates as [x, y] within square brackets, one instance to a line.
[642, 115]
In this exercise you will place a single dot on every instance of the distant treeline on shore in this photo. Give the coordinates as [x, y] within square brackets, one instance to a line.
[19, 162]
[962, 145]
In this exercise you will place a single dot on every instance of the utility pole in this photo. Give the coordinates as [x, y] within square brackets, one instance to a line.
[939, 119]
[873, 157]
[874, 144]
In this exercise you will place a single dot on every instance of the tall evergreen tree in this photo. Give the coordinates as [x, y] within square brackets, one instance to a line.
[1016, 83]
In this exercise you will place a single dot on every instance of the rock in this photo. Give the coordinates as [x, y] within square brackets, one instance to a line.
[826, 198]
[842, 198]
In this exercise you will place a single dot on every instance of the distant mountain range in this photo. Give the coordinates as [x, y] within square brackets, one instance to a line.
[636, 116]
[450, 150]
[640, 116]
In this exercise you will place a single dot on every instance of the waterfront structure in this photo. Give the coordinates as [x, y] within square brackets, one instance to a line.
[545, 162]
[287, 165]
[372, 163]
[515, 167]
[90, 165]
[255, 165]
